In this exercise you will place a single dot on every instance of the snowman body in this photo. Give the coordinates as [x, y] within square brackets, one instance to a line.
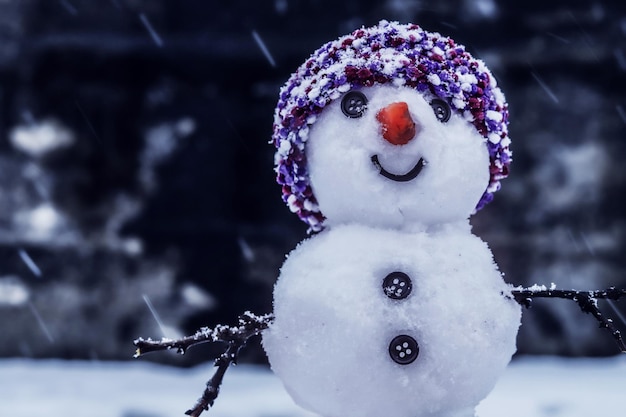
[395, 307]
[336, 320]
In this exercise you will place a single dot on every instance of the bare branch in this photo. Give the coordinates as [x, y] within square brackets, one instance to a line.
[236, 337]
[249, 325]
[212, 389]
[586, 300]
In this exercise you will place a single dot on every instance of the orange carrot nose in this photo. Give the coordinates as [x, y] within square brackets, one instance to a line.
[397, 126]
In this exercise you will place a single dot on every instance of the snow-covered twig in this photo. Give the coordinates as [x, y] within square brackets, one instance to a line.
[586, 300]
[236, 338]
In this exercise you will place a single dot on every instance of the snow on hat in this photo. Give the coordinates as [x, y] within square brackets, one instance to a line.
[403, 55]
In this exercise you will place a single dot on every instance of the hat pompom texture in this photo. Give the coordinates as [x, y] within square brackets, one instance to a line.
[400, 54]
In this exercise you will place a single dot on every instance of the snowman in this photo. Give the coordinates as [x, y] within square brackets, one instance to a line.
[387, 140]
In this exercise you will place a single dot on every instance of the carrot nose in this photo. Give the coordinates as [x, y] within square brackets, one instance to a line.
[396, 124]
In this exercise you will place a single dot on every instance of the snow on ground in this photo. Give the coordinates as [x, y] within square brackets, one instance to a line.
[531, 387]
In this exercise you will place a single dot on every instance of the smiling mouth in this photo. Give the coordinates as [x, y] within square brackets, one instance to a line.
[414, 172]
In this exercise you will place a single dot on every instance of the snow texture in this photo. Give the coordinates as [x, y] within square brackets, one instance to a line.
[537, 387]
[333, 323]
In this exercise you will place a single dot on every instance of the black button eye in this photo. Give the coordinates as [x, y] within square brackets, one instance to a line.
[353, 104]
[403, 349]
[442, 110]
[397, 285]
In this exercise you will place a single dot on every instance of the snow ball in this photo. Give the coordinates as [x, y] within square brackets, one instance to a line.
[349, 187]
[329, 342]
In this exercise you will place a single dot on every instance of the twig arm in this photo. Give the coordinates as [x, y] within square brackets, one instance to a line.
[212, 389]
[586, 300]
[249, 325]
[236, 338]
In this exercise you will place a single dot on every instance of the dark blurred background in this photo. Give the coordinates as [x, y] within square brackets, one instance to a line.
[137, 196]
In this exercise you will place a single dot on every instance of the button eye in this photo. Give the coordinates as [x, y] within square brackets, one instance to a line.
[442, 110]
[403, 349]
[353, 104]
[397, 285]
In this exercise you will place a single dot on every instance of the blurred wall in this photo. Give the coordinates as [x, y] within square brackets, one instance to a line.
[137, 195]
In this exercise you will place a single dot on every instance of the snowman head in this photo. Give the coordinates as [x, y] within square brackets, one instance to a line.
[390, 125]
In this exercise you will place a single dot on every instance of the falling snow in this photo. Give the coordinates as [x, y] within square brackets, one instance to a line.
[29, 262]
[96, 173]
[87, 121]
[154, 313]
[153, 33]
[246, 250]
[545, 87]
[71, 9]
[621, 113]
[40, 321]
[559, 38]
[263, 47]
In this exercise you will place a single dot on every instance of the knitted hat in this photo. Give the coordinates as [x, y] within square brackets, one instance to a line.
[403, 55]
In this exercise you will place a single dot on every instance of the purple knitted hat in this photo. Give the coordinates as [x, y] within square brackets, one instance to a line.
[403, 55]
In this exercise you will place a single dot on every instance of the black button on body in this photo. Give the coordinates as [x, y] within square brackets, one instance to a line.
[403, 349]
[397, 285]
